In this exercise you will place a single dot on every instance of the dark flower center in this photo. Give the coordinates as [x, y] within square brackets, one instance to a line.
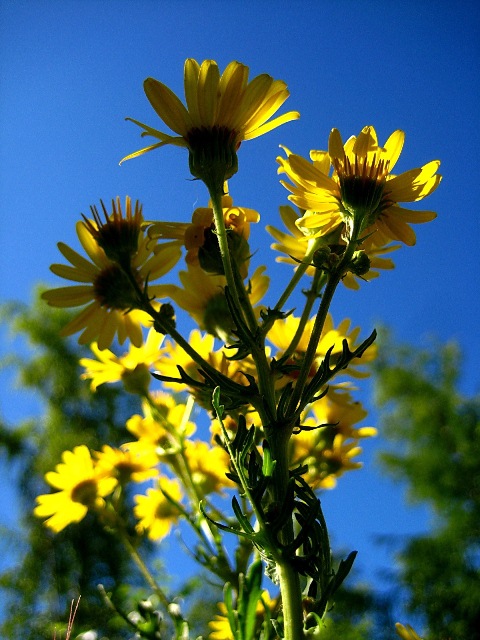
[213, 154]
[114, 290]
[117, 236]
[85, 492]
[362, 185]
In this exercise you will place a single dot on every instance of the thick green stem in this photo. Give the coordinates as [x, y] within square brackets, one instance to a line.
[291, 601]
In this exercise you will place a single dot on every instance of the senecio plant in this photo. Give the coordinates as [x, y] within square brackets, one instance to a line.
[273, 381]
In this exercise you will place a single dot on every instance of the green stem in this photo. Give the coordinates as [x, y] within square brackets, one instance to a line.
[243, 310]
[334, 278]
[220, 230]
[144, 569]
[299, 271]
[291, 601]
[204, 528]
[312, 295]
[313, 343]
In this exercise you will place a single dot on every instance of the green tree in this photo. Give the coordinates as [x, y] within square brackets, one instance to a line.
[51, 570]
[434, 433]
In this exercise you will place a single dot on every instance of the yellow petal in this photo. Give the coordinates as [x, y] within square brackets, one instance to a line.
[273, 124]
[232, 87]
[168, 107]
[335, 145]
[366, 142]
[78, 261]
[190, 79]
[74, 296]
[415, 184]
[321, 161]
[393, 147]
[207, 93]
[255, 94]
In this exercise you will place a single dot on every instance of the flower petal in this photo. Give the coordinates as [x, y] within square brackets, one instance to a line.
[168, 107]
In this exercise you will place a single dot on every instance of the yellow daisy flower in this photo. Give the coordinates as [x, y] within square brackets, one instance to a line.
[127, 465]
[155, 427]
[193, 235]
[221, 627]
[173, 356]
[133, 368]
[82, 487]
[221, 112]
[406, 632]
[361, 184]
[339, 409]
[329, 450]
[208, 466]
[325, 465]
[156, 514]
[282, 332]
[295, 244]
[106, 289]
[203, 297]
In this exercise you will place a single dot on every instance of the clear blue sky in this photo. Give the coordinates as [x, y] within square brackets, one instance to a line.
[72, 71]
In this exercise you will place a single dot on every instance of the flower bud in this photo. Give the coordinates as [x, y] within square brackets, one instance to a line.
[360, 264]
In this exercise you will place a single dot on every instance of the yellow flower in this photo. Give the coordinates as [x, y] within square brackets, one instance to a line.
[361, 184]
[221, 627]
[173, 356]
[208, 466]
[82, 487]
[406, 632]
[221, 112]
[164, 423]
[133, 368]
[156, 514]
[203, 297]
[127, 465]
[106, 289]
[331, 443]
[337, 408]
[295, 245]
[282, 332]
[193, 235]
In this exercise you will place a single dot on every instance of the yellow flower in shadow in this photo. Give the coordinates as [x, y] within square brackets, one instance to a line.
[162, 426]
[208, 466]
[193, 235]
[127, 465]
[294, 244]
[282, 332]
[173, 356]
[133, 368]
[155, 512]
[105, 289]
[203, 297]
[329, 443]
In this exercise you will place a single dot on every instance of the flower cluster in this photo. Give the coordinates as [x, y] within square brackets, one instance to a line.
[275, 383]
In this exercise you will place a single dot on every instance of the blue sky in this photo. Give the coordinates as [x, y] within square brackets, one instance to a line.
[72, 71]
